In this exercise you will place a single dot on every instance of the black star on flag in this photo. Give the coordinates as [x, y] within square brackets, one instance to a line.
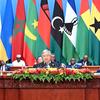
[96, 25]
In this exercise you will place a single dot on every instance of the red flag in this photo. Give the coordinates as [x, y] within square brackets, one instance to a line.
[44, 23]
[19, 26]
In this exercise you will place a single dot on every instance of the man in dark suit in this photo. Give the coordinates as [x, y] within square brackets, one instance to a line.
[53, 60]
[85, 61]
[47, 61]
[72, 63]
[3, 66]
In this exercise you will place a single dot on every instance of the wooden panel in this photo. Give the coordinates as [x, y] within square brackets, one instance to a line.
[92, 94]
[76, 94]
[52, 94]
[19, 67]
[25, 90]
[1, 94]
[27, 94]
[92, 68]
[99, 94]
[11, 94]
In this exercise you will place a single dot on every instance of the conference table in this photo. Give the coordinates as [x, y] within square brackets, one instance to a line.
[11, 89]
[92, 68]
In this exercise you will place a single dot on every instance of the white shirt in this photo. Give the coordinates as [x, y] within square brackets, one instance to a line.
[85, 63]
[3, 68]
[16, 63]
[47, 65]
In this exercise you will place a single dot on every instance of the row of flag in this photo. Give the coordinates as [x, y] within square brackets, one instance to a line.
[72, 31]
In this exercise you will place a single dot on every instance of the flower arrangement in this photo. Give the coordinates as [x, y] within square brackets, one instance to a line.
[52, 74]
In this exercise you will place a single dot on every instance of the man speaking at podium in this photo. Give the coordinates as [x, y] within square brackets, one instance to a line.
[47, 62]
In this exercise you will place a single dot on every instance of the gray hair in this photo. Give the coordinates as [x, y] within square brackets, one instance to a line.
[46, 51]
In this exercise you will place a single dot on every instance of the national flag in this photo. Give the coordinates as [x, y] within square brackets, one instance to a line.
[56, 35]
[44, 26]
[38, 4]
[14, 5]
[18, 33]
[82, 43]
[0, 26]
[69, 37]
[51, 7]
[2, 8]
[0, 35]
[88, 30]
[77, 5]
[94, 38]
[95, 19]
[6, 32]
[33, 44]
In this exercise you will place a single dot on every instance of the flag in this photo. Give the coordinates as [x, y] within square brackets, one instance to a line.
[94, 36]
[2, 8]
[0, 36]
[88, 30]
[33, 44]
[44, 26]
[0, 26]
[56, 35]
[51, 7]
[38, 4]
[14, 5]
[82, 43]
[95, 19]
[69, 37]
[18, 33]
[77, 5]
[6, 32]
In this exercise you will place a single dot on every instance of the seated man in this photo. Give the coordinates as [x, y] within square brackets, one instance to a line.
[85, 61]
[39, 60]
[47, 63]
[73, 64]
[53, 59]
[9, 62]
[3, 66]
[18, 61]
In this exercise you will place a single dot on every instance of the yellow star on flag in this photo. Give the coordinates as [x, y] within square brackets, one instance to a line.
[35, 24]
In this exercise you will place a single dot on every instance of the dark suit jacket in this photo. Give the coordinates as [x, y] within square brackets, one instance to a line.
[82, 62]
[44, 65]
[6, 68]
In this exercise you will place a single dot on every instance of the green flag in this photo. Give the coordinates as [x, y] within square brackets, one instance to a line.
[33, 44]
[69, 37]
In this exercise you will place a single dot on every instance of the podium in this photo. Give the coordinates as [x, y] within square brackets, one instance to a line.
[25, 90]
[11, 89]
[92, 68]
